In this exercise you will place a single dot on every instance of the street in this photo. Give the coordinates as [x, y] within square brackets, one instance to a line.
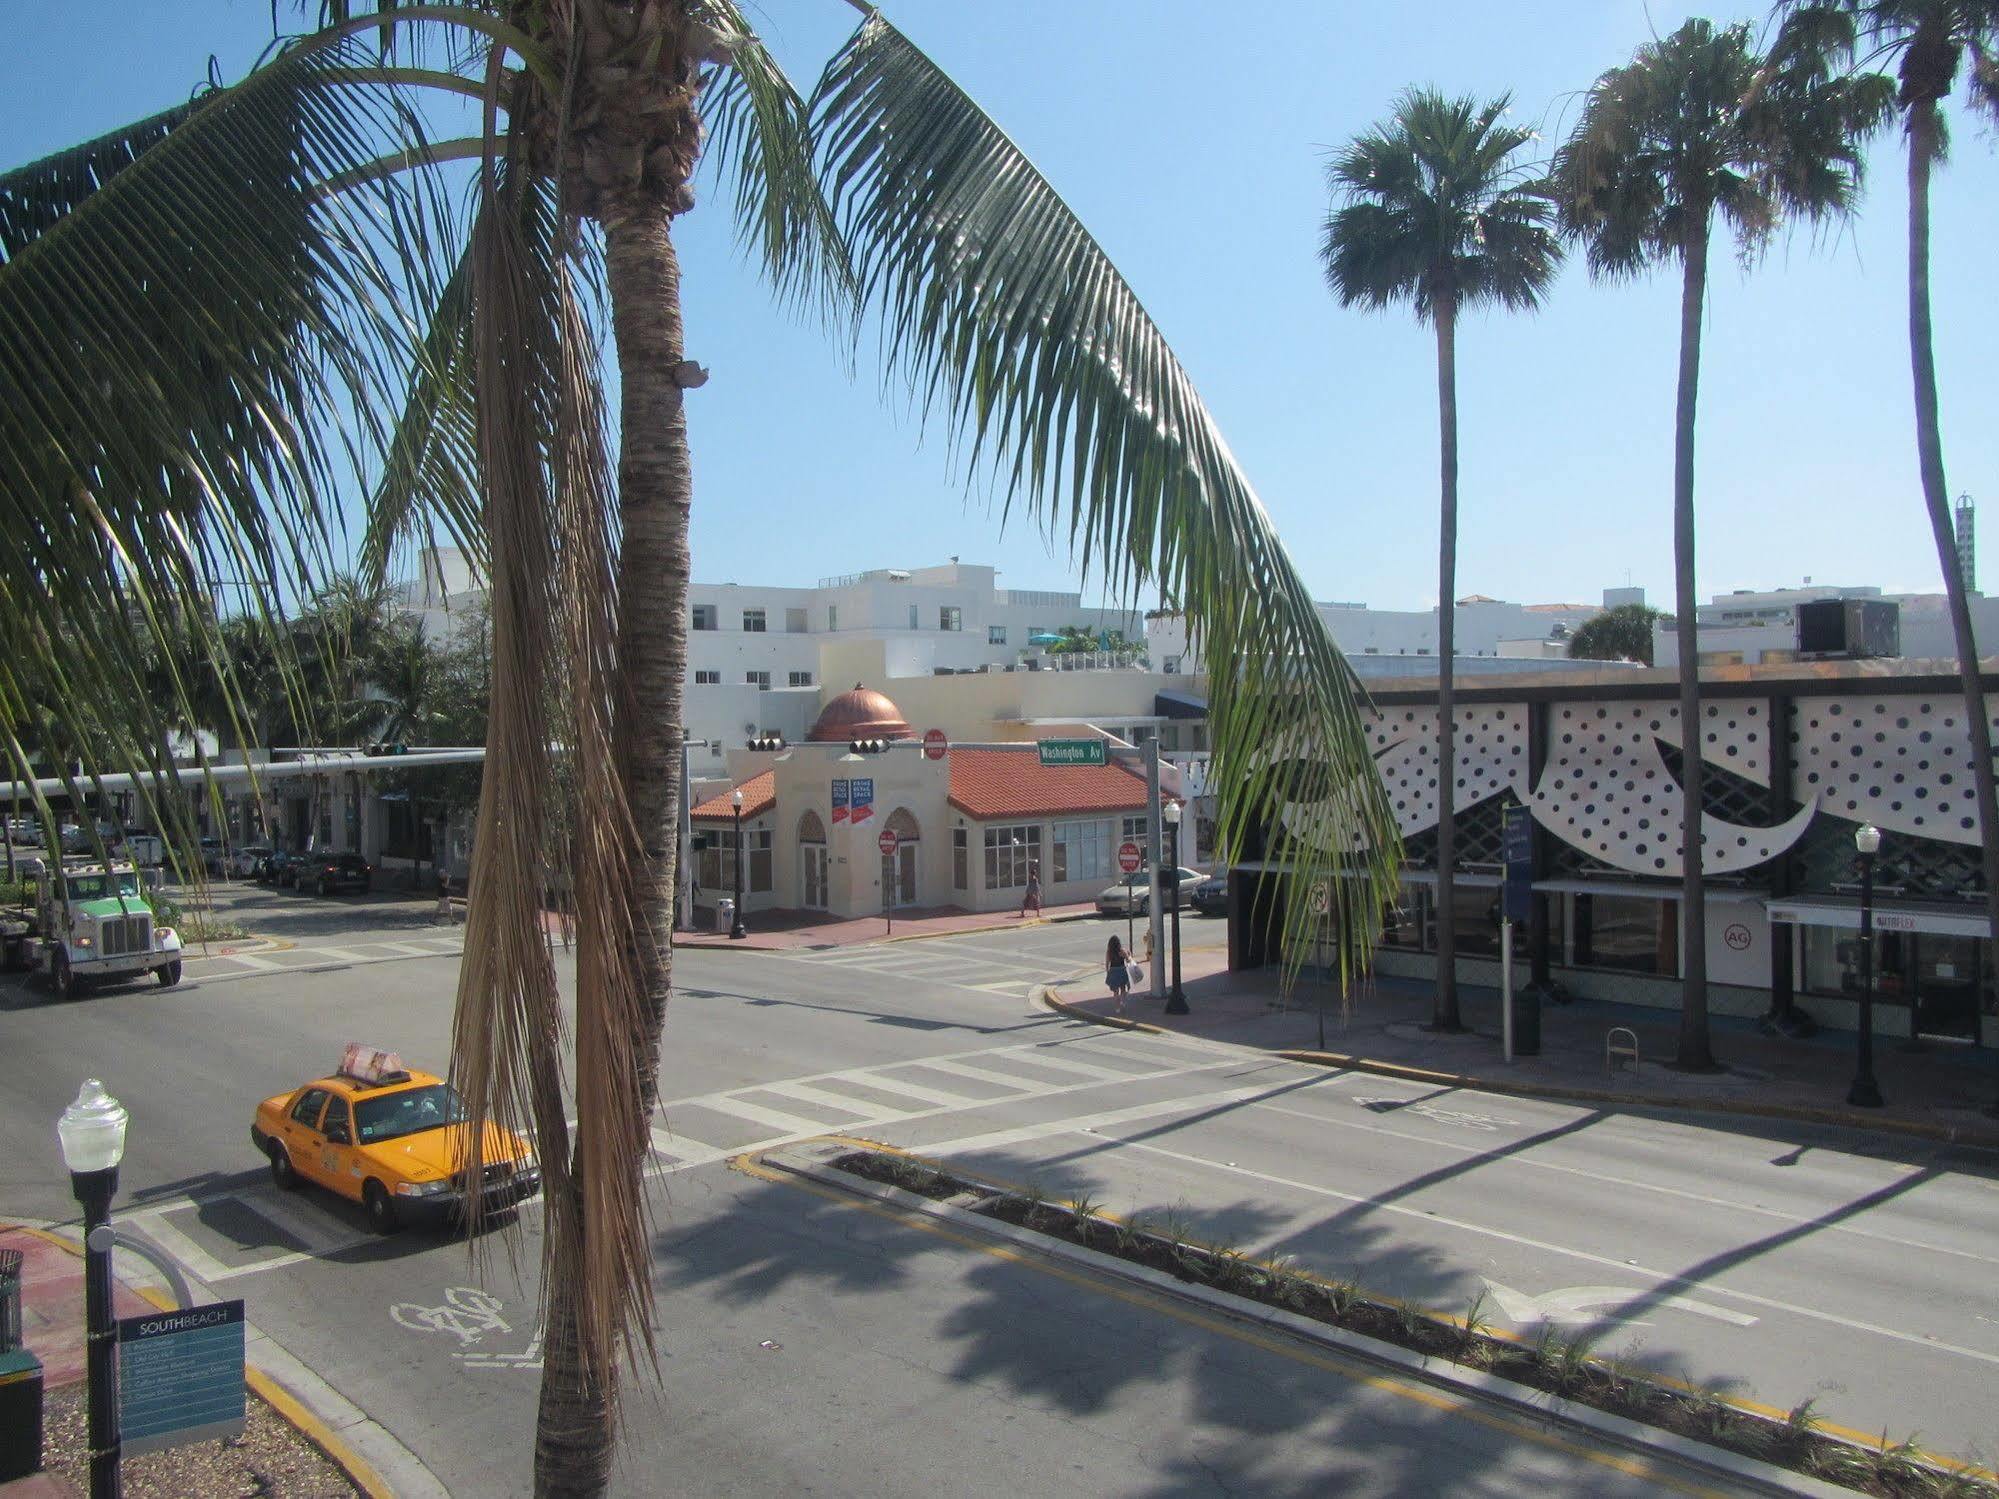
[816, 1346]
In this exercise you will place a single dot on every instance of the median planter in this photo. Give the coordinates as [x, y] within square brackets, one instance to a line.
[1563, 1367]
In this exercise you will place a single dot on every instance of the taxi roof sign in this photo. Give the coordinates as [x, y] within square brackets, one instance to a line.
[370, 1064]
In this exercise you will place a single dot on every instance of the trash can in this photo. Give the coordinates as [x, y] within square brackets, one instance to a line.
[725, 914]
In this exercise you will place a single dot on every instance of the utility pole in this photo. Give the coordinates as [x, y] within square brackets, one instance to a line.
[1156, 842]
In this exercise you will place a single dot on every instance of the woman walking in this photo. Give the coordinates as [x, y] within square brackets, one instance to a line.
[1116, 974]
[1031, 901]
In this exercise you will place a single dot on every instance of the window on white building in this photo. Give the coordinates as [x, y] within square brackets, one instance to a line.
[995, 634]
[1082, 851]
[704, 616]
[718, 861]
[758, 679]
[961, 859]
[801, 679]
[912, 618]
[794, 622]
[832, 616]
[753, 621]
[1135, 830]
[1009, 853]
[950, 617]
[707, 679]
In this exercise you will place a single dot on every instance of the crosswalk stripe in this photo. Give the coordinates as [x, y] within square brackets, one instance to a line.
[685, 1152]
[806, 1093]
[1046, 1058]
[889, 1083]
[999, 1138]
[301, 1223]
[721, 1103]
[197, 1261]
[983, 1074]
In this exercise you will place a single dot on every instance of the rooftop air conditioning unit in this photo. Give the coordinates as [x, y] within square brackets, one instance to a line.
[1857, 629]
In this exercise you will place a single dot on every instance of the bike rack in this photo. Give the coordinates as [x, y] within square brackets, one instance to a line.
[1614, 1049]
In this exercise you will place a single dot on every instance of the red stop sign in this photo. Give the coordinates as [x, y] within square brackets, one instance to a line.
[1129, 857]
[886, 843]
[934, 744]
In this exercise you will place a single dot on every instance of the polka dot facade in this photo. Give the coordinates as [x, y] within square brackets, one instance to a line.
[1901, 763]
[1489, 748]
[1606, 789]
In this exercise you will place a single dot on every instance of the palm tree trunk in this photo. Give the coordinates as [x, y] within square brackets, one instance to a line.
[1444, 1016]
[576, 1426]
[1695, 1053]
[1923, 142]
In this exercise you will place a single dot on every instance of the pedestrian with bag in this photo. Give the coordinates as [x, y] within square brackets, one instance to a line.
[1117, 971]
[1031, 901]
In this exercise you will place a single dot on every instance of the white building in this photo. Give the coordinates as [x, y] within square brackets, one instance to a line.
[1752, 626]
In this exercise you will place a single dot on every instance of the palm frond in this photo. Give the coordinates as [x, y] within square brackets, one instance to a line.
[197, 339]
[1000, 310]
[761, 140]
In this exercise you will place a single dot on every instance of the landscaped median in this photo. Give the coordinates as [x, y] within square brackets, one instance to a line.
[1555, 1379]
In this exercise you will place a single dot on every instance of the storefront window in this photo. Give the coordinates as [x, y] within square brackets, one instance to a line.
[1629, 933]
[1010, 853]
[1477, 908]
[1947, 978]
[1402, 924]
[1082, 851]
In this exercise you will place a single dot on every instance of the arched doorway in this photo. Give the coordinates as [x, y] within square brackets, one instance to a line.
[812, 893]
[899, 868]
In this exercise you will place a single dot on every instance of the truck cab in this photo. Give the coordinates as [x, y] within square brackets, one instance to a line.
[94, 921]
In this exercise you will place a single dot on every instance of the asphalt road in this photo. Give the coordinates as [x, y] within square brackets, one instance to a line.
[1784, 1261]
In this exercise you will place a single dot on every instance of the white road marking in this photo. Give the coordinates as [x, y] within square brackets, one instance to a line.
[1044, 1057]
[724, 1103]
[1084, 1122]
[198, 1262]
[1609, 1179]
[806, 1093]
[1572, 1304]
[889, 1083]
[317, 1234]
[1663, 1277]
[982, 1074]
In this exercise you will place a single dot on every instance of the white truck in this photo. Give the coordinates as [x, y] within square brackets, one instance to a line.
[90, 921]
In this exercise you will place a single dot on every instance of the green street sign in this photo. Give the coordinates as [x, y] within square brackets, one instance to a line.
[1071, 751]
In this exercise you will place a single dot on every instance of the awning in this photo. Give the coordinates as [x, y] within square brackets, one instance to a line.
[1717, 893]
[1172, 704]
[1889, 916]
[1429, 877]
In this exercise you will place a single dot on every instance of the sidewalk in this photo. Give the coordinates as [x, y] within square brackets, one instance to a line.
[1937, 1093]
[789, 931]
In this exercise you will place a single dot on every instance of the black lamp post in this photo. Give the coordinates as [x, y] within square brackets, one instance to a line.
[92, 1131]
[736, 928]
[1169, 890]
[1865, 1092]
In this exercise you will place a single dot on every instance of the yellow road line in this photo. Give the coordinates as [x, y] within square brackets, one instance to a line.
[1636, 1467]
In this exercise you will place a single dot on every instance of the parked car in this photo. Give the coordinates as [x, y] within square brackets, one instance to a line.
[1211, 896]
[330, 872]
[212, 855]
[243, 863]
[1132, 895]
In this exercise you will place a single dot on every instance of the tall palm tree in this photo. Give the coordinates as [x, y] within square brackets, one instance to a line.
[888, 193]
[1437, 209]
[1694, 126]
[1929, 41]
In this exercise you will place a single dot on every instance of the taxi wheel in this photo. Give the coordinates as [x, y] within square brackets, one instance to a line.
[282, 1175]
[381, 1207]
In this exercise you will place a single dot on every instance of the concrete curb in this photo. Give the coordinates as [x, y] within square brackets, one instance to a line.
[1747, 1474]
[373, 1460]
[1798, 1114]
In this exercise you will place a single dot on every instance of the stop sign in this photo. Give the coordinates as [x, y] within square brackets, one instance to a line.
[1129, 857]
[886, 843]
[934, 744]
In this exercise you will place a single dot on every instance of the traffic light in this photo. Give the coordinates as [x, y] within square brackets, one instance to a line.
[868, 746]
[386, 748]
[767, 742]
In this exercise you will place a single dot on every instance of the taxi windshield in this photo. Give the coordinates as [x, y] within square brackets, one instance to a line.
[407, 1113]
[101, 886]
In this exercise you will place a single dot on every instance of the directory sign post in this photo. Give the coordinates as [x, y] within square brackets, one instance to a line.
[1520, 1032]
[180, 1376]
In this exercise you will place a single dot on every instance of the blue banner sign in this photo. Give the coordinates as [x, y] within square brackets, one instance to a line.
[1516, 847]
[839, 801]
[863, 798]
[180, 1376]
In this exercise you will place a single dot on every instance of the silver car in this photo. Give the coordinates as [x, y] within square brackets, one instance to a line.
[1132, 895]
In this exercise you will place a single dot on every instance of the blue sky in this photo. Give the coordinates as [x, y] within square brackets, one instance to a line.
[1193, 145]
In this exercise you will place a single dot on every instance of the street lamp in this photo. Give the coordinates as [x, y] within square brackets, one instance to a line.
[1865, 1092]
[736, 928]
[92, 1131]
[1169, 887]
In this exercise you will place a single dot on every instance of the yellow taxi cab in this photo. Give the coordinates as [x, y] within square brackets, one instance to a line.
[390, 1138]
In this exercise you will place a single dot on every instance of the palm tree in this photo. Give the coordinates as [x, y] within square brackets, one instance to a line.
[1438, 211]
[1695, 126]
[1929, 40]
[889, 193]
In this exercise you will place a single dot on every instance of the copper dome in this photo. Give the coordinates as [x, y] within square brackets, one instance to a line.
[860, 714]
